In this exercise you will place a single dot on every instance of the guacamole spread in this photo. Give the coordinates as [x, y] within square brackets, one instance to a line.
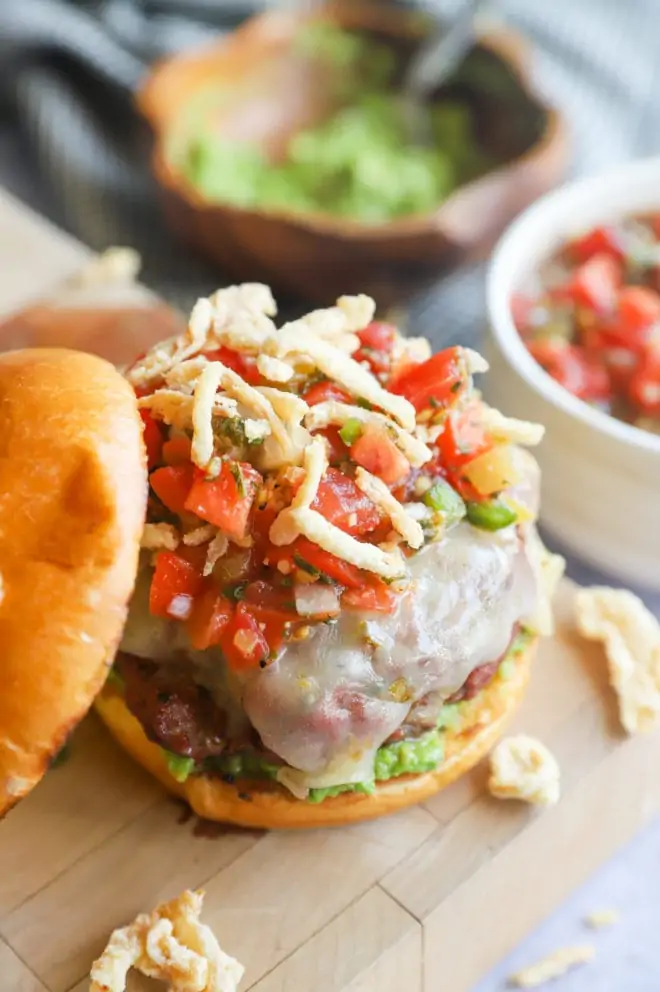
[360, 163]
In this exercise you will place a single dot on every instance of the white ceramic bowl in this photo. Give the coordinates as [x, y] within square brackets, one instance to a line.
[601, 477]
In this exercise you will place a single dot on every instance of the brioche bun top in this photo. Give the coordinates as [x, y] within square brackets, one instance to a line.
[72, 502]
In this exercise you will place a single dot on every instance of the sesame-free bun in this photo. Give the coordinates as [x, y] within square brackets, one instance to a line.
[270, 806]
[72, 503]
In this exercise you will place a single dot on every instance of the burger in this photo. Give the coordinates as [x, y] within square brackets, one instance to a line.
[339, 587]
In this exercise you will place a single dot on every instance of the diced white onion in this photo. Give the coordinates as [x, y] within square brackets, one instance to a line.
[180, 607]
[316, 600]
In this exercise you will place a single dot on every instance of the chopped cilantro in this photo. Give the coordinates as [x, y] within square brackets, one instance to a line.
[306, 567]
[233, 428]
[235, 591]
[235, 470]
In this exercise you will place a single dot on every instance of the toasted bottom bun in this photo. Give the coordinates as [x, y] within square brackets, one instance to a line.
[269, 806]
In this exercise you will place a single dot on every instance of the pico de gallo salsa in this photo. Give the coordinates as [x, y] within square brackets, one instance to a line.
[215, 567]
[592, 320]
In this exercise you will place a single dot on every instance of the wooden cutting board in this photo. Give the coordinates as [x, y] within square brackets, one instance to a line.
[427, 900]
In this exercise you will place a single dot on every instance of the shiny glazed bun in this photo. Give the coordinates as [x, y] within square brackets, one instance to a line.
[72, 504]
[269, 806]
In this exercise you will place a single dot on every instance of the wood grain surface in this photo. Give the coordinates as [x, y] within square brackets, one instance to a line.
[424, 901]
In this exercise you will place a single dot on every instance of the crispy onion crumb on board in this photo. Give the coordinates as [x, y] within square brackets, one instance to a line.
[631, 637]
[521, 767]
[553, 966]
[171, 945]
[549, 569]
[599, 919]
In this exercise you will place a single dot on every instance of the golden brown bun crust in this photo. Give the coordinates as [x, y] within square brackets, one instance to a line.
[269, 806]
[72, 503]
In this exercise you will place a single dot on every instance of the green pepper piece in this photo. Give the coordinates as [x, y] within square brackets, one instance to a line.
[442, 498]
[179, 767]
[492, 515]
[351, 431]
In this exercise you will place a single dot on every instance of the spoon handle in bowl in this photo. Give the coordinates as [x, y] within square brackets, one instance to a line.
[442, 53]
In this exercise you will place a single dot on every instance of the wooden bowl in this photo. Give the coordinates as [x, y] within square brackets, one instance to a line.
[258, 90]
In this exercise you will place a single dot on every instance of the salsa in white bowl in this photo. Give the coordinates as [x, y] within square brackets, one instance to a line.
[591, 318]
[601, 472]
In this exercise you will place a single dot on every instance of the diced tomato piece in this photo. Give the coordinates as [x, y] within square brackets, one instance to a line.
[176, 451]
[210, 615]
[435, 383]
[273, 608]
[579, 371]
[463, 438]
[339, 500]
[153, 439]
[172, 485]
[174, 586]
[376, 451]
[337, 450]
[521, 308]
[644, 389]
[594, 284]
[374, 597]
[630, 327]
[322, 392]
[221, 502]
[378, 335]
[244, 365]
[376, 340]
[638, 310]
[194, 554]
[330, 565]
[242, 641]
[601, 240]
[261, 595]
[262, 521]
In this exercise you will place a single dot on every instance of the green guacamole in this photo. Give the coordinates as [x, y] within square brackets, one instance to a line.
[360, 163]
[407, 757]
